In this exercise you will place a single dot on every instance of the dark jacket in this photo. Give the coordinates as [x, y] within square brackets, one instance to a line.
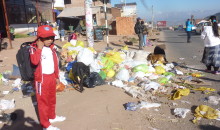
[139, 28]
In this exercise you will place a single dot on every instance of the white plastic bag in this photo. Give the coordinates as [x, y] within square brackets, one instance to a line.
[118, 83]
[73, 42]
[123, 75]
[148, 105]
[95, 66]
[86, 56]
[7, 104]
[181, 112]
[151, 85]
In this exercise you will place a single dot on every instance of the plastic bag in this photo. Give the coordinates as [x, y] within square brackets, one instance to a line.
[73, 42]
[118, 83]
[102, 74]
[151, 85]
[69, 66]
[93, 80]
[107, 63]
[85, 56]
[110, 73]
[123, 75]
[80, 43]
[181, 112]
[205, 112]
[142, 68]
[68, 44]
[179, 93]
[131, 106]
[7, 104]
[159, 70]
[60, 87]
[148, 105]
[114, 56]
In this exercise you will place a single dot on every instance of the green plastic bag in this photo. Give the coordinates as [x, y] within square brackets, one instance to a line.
[102, 74]
[143, 68]
[107, 63]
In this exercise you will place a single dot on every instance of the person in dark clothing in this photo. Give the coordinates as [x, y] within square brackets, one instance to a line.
[139, 28]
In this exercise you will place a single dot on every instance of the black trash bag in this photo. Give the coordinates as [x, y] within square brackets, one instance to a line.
[93, 80]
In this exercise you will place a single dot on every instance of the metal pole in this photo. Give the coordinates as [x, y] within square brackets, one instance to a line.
[53, 14]
[89, 24]
[152, 17]
[6, 22]
[37, 12]
[106, 23]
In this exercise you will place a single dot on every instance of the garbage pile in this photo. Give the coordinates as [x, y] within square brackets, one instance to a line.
[130, 70]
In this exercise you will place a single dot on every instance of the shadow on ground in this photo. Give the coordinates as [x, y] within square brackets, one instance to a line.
[20, 122]
[208, 127]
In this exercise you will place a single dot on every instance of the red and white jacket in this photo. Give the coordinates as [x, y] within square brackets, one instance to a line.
[35, 56]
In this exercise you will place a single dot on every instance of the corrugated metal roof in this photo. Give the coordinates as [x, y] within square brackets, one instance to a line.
[75, 12]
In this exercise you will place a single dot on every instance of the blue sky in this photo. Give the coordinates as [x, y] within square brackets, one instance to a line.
[174, 11]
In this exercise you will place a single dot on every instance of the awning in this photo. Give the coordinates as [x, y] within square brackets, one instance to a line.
[75, 12]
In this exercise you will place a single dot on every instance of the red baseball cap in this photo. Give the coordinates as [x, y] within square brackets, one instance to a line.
[45, 31]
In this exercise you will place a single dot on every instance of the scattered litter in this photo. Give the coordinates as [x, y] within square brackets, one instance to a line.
[204, 111]
[181, 112]
[179, 93]
[17, 83]
[7, 104]
[148, 105]
[5, 92]
[213, 100]
[181, 58]
[118, 83]
[131, 106]
[182, 101]
[205, 90]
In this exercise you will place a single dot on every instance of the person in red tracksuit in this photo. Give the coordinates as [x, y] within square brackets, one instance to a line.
[46, 76]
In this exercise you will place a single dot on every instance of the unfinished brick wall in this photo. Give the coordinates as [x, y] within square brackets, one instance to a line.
[125, 25]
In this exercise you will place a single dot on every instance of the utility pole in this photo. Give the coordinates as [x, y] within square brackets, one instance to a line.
[7, 24]
[106, 23]
[89, 24]
[37, 12]
[152, 17]
[53, 14]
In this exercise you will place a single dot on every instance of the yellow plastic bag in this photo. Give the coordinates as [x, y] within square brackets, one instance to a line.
[209, 90]
[110, 73]
[68, 44]
[114, 56]
[72, 52]
[205, 112]
[159, 70]
[107, 63]
[92, 49]
[179, 93]
[80, 43]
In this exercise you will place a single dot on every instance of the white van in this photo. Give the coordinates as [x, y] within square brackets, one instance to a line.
[200, 26]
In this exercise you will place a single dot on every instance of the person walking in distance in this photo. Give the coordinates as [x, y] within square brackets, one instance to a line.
[188, 30]
[139, 31]
[46, 76]
[211, 54]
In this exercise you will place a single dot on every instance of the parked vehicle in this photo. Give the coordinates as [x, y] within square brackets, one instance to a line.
[200, 26]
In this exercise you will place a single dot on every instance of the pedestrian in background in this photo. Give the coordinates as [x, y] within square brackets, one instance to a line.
[139, 31]
[211, 54]
[188, 30]
[145, 32]
[46, 76]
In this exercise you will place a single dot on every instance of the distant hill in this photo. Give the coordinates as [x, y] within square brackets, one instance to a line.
[217, 15]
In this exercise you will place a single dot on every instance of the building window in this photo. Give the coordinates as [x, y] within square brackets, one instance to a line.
[67, 1]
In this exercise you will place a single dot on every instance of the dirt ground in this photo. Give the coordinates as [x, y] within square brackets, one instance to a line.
[99, 108]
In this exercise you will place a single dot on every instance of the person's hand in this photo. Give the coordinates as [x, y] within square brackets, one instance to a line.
[58, 81]
[40, 44]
